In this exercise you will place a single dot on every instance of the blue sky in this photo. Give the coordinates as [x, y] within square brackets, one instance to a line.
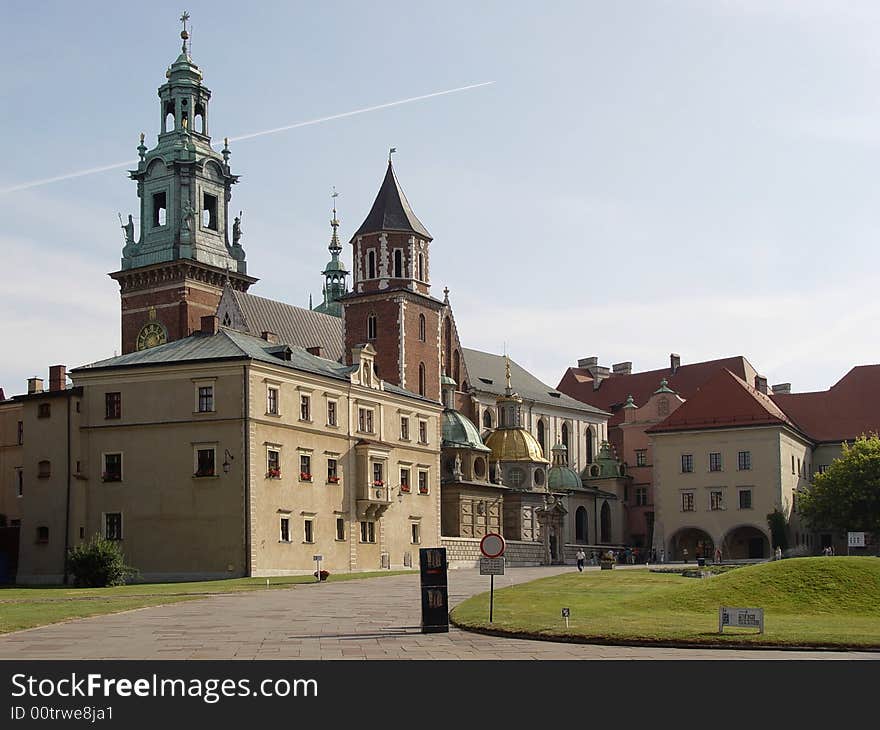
[642, 178]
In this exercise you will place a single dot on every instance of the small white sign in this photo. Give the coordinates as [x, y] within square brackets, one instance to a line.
[491, 566]
[752, 618]
[855, 539]
[317, 558]
[566, 612]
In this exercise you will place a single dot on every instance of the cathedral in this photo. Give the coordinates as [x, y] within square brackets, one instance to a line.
[239, 435]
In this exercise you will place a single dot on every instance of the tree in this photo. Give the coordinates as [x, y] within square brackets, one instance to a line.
[846, 497]
[778, 529]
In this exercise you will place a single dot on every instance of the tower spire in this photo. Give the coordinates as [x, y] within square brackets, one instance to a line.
[184, 34]
[335, 273]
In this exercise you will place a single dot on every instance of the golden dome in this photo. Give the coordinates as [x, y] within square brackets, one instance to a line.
[514, 444]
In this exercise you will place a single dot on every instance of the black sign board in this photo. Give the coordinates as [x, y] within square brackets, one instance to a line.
[435, 599]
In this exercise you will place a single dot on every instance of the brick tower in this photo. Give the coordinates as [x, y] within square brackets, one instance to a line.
[390, 305]
[174, 271]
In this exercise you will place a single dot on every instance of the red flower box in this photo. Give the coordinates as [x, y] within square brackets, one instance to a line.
[333, 480]
[305, 476]
[378, 483]
[273, 474]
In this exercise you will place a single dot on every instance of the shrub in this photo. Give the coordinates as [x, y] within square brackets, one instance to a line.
[98, 563]
[778, 529]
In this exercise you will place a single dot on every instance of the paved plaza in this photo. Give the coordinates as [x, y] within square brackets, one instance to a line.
[361, 619]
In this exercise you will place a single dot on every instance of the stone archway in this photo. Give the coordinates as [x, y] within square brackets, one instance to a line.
[746, 542]
[697, 543]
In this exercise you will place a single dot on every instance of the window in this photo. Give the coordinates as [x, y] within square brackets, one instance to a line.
[744, 460]
[206, 399]
[421, 378]
[422, 328]
[745, 498]
[542, 435]
[423, 432]
[332, 471]
[368, 531]
[273, 464]
[378, 479]
[716, 500]
[799, 467]
[44, 469]
[687, 463]
[112, 468]
[44, 410]
[404, 481]
[20, 433]
[285, 529]
[687, 501]
[205, 462]
[641, 496]
[416, 533]
[714, 461]
[792, 464]
[404, 428]
[641, 457]
[340, 528]
[308, 531]
[331, 412]
[160, 206]
[487, 418]
[272, 401]
[421, 272]
[113, 525]
[398, 263]
[305, 408]
[516, 476]
[112, 405]
[423, 482]
[20, 478]
[365, 420]
[305, 467]
[42, 535]
[371, 264]
[209, 211]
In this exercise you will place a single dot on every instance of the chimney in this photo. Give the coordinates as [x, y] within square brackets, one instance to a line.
[270, 337]
[210, 324]
[781, 389]
[600, 374]
[674, 362]
[761, 384]
[57, 377]
[316, 350]
[35, 385]
[622, 368]
[588, 363]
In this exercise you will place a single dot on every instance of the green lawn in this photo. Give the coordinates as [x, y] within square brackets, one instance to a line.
[23, 607]
[806, 601]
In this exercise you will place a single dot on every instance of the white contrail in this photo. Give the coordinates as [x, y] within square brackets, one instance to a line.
[130, 163]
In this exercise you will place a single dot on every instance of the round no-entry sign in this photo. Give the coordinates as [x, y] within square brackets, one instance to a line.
[492, 545]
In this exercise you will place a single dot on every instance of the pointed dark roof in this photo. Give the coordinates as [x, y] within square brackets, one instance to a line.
[391, 211]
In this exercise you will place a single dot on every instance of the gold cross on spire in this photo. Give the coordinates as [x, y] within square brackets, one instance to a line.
[184, 18]
[184, 34]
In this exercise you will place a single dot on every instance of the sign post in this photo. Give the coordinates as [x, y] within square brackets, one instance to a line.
[566, 612]
[492, 564]
[435, 596]
[752, 618]
[317, 559]
[854, 540]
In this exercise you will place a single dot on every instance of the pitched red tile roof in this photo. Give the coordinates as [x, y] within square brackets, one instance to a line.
[612, 392]
[850, 408]
[722, 402]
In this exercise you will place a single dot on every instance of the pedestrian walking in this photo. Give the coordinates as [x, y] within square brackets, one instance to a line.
[684, 552]
[778, 553]
[581, 558]
[718, 556]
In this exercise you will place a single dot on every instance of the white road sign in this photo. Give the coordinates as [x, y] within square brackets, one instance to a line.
[855, 539]
[752, 618]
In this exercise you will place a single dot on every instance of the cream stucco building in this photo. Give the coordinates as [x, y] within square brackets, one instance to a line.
[224, 454]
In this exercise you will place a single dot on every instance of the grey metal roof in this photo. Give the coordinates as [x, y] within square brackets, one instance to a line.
[488, 373]
[391, 211]
[293, 325]
[230, 344]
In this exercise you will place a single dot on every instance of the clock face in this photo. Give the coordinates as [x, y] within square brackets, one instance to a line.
[151, 335]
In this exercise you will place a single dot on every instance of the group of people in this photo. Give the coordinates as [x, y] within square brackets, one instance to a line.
[628, 556]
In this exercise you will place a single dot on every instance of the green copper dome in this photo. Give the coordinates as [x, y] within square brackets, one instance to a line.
[460, 433]
[563, 477]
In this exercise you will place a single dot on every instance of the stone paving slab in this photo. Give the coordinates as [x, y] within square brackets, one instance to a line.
[362, 619]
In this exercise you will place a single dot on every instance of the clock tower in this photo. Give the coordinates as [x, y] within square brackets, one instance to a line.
[178, 257]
